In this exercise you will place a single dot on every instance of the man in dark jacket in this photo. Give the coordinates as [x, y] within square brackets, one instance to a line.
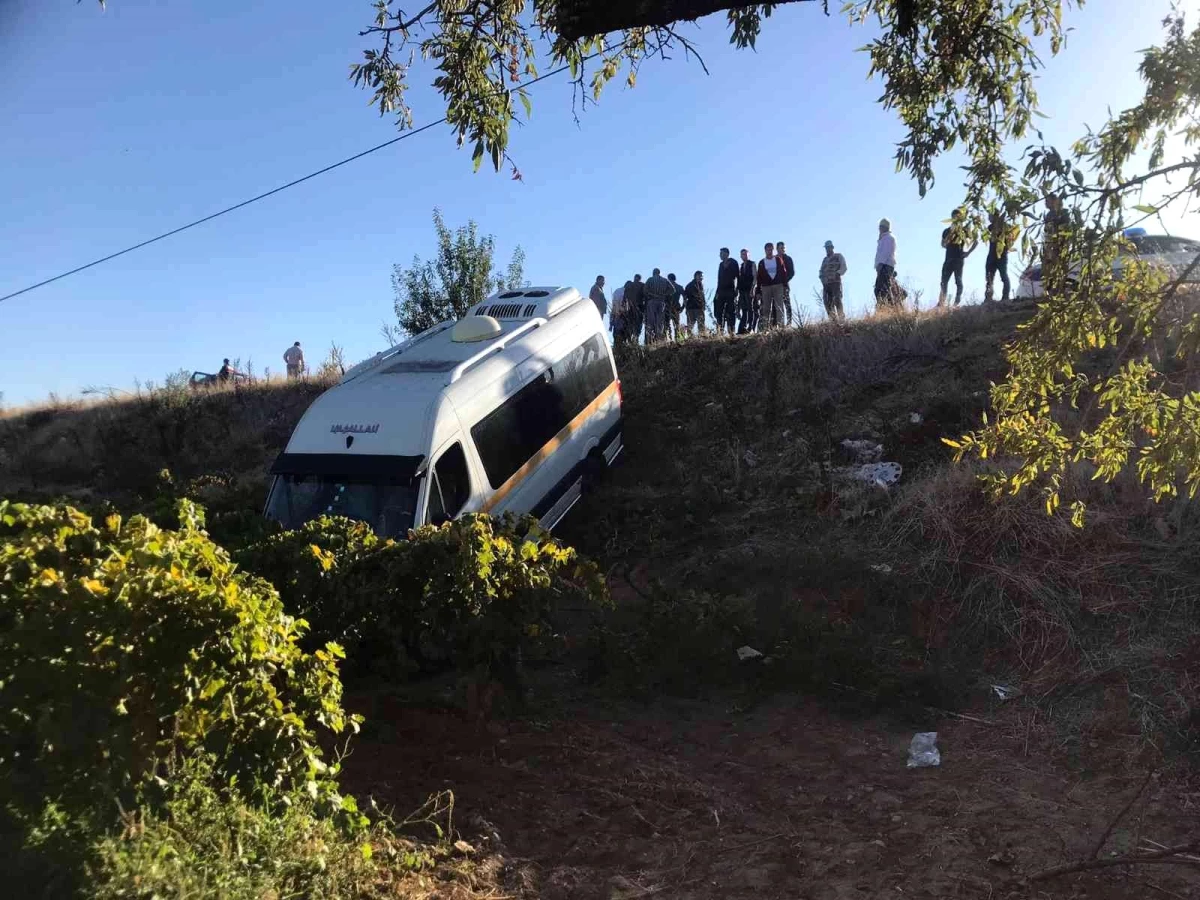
[693, 302]
[747, 314]
[725, 300]
[635, 301]
[674, 308]
[789, 266]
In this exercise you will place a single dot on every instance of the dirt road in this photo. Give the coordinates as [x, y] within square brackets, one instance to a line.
[693, 800]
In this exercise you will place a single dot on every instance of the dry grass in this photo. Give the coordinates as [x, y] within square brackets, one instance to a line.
[113, 449]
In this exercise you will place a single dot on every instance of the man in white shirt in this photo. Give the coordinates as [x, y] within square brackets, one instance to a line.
[886, 292]
[293, 358]
[772, 281]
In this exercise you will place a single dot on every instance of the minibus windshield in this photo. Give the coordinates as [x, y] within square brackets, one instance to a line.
[388, 507]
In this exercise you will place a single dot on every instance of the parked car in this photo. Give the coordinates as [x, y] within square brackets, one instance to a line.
[206, 379]
[1174, 254]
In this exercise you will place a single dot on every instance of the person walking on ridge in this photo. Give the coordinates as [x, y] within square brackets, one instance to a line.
[597, 296]
[886, 293]
[725, 299]
[674, 309]
[833, 267]
[659, 293]
[747, 316]
[790, 268]
[1002, 237]
[293, 358]
[772, 280]
[694, 302]
[953, 239]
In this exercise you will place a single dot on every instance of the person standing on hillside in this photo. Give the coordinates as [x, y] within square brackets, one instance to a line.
[674, 308]
[833, 267]
[725, 299]
[693, 302]
[658, 293]
[886, 293]
[953, 239]
[293, 358]
[228, 372]
[1002, 237]
[747, 315]
[635, 303]
[789, 266]
[597, 296]
[772, 280]
[618, 318]
[1056, 225]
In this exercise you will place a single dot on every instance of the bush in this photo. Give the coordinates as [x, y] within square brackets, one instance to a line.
[473, 594]
[200, 842]
[304, 565]
[124, 647]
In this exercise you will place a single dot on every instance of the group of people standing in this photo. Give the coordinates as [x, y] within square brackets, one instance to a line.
[753, 296]
[749, 297]
[1002, 237]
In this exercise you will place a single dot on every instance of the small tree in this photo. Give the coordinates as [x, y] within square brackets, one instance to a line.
[458, 278]
[1106, 373]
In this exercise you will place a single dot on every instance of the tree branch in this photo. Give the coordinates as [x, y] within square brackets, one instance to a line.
[577, 19]
[1168, 856]
[400, 26]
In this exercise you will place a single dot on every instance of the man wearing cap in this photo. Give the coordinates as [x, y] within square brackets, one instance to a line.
[885, 267]
[833, 267]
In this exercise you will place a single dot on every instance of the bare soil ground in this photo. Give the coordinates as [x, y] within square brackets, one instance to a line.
[701, 800]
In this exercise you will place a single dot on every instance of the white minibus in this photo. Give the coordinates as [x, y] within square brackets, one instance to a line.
[513, 408]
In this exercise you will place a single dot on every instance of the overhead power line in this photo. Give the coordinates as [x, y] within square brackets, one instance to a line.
[283, 187]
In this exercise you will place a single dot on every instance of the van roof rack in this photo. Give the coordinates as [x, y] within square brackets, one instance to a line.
[496, 347]
[368, 364]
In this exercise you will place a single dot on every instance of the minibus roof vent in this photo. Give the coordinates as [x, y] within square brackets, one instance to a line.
[473, 329]
[503, 311]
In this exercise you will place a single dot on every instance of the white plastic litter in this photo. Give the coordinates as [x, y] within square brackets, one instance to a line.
[863, 452]
[887, 473]
[1005, 691]
[747, 652]
[916, 418]
[923, 751]
[882, 568]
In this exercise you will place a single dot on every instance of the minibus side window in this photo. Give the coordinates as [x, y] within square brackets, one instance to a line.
[450, 487]
[511, 434]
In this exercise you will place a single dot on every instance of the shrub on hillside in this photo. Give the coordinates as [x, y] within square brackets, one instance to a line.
[305, 565]
[200, 842]
[473, 594]
[124, 647]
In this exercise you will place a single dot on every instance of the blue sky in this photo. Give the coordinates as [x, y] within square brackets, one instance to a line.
[126, 122]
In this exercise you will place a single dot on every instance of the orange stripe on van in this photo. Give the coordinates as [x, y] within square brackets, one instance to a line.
[515, 479]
